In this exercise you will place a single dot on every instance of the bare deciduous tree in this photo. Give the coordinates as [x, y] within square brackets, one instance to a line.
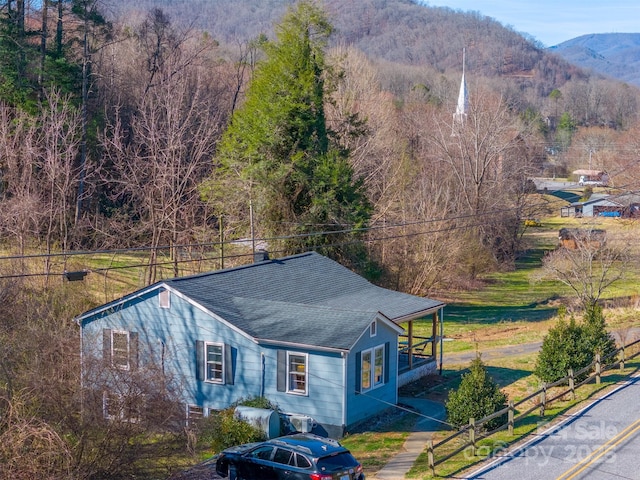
[487, 158]
[160, 143]
[589, 265]
[20, 200]
[29, 447]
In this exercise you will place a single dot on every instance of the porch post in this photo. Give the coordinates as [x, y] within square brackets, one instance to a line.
[410, 344]
[441, 338]
[434, 334]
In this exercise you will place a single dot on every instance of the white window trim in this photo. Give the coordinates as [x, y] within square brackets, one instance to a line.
[222, 380]
[190, 417]
[113, 356]
[373, 329]
[306, 374]
[164, 299]
[121, 414]
[372, 370]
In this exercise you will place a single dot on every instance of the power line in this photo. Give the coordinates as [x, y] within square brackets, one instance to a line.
[347, 231]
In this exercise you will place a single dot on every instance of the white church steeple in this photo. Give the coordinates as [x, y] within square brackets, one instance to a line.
[463, 97]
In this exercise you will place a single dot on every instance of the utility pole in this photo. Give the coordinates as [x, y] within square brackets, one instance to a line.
[85, 90]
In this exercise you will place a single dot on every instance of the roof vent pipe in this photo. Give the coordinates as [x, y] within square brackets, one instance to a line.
[260, 256]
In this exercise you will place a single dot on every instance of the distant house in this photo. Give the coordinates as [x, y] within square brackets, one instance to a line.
[605, 205]
[303, 331]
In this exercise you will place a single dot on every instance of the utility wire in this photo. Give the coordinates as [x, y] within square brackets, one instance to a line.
[491, 213]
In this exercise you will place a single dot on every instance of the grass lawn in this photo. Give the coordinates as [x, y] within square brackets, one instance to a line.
[516, 306]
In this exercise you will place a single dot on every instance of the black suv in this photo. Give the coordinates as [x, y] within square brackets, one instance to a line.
[294, 457]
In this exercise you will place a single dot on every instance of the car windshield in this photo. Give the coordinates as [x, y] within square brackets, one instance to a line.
[339, 461]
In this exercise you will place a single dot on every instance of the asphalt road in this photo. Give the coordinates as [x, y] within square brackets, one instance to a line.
[553, 185]
[601, 441]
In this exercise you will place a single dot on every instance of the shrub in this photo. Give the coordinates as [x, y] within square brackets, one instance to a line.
[477, 397]
[570, 345]
[563, 347]
[222, 430]
[596, 335]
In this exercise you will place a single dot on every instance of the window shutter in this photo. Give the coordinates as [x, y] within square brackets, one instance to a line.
[282, 371]
[106, 346]
[387, 351]
[133, 350]
[228, 364]
[358, 372]
[200, 360]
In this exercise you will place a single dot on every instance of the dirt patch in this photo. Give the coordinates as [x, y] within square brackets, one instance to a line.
[430, 387]
[388, 421]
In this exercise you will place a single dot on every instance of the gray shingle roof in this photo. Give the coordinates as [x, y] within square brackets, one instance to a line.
[307, 299]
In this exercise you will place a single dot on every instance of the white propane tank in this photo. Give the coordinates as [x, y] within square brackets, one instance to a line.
[268, 421]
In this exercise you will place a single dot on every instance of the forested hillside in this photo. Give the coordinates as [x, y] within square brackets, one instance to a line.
[144, 92]
[396, 31]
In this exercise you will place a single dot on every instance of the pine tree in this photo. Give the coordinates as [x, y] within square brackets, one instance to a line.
[477, 396]
[597, 338]
[569, 345]
[563, 348]
[277, 149]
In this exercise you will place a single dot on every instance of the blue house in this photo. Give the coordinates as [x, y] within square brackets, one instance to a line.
[305, 332]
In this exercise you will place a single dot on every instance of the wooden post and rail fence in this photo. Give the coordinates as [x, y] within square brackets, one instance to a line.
[473, 431]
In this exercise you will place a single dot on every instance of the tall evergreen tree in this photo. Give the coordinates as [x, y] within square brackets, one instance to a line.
[277, 150]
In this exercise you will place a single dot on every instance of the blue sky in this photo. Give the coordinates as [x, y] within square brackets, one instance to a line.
[554, 21]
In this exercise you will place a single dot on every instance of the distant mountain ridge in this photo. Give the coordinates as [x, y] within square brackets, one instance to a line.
[616, 55]
[398, 34]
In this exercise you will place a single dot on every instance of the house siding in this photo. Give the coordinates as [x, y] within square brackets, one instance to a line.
[171, 334]
[588, 209]
[323, 401]
[254, 318]
[361, 406]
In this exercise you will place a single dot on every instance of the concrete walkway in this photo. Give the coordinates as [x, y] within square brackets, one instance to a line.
[416, 441]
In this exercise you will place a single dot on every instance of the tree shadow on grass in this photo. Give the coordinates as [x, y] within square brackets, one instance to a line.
[489, 315]
[501, 375]
[506, 376]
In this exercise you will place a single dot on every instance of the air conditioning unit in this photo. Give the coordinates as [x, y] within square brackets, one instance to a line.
[302, 423]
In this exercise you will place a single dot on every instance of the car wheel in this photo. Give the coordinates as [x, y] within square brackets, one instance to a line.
[233, 473]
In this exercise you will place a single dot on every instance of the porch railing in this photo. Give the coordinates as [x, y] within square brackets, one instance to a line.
[417, 349]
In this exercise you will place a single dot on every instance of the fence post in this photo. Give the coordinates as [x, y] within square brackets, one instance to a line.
[430, 456]
[543, 399]
[622, 358]
[598, 369]
[472, 435]
[511, 415]
[572, 385]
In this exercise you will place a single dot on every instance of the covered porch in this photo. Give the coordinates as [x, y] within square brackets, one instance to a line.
[420, 348]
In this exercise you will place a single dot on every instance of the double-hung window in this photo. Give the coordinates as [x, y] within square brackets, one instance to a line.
[120, 349]
[120, 407]
[372, 366]
[293, 372]
[297, 366]
[214, 362]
